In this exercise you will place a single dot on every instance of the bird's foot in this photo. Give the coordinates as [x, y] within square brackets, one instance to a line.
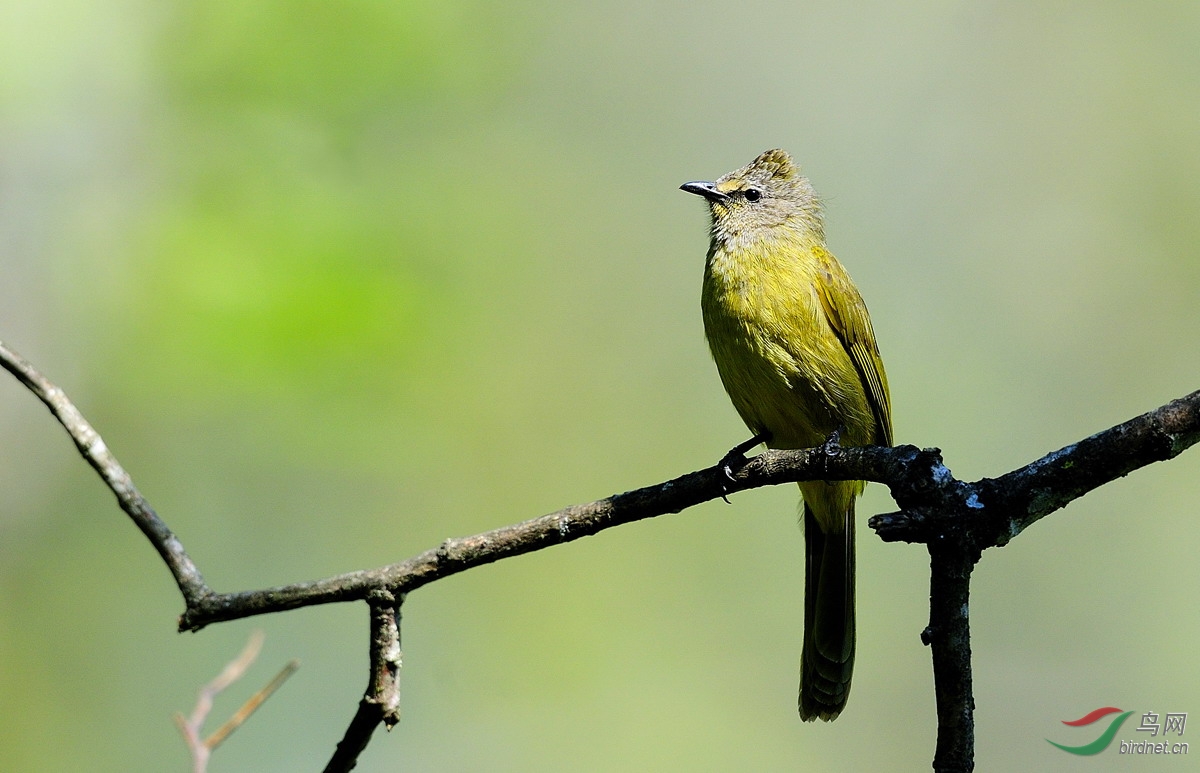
[736, 459]
[830, 447]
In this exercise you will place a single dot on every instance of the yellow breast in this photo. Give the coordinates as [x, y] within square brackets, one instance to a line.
[784, 367]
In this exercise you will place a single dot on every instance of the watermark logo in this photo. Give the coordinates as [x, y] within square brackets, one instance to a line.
[1172, 722]
[1101, 743]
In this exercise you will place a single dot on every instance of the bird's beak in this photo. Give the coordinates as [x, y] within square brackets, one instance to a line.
[706, 189]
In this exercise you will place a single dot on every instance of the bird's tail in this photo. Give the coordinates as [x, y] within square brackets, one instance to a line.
[827, 660]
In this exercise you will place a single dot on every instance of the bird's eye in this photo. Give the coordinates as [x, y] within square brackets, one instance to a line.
[753, 194]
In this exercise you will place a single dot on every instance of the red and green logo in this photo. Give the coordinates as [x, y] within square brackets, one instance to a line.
[1101, 743]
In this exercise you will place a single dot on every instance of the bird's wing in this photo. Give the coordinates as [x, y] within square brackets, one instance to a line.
[847, 315]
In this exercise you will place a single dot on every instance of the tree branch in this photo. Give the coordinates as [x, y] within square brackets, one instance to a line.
[566, 525]
[996, 510]
[92, 447]
[957, 520]
[381, 703]
[949, 639]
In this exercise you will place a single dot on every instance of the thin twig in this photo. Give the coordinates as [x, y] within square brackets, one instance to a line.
[190, 727]
[92, 447]
[196, 748]
[233, 671]
[251, 705]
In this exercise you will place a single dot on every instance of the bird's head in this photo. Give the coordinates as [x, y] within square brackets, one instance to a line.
[767, 193]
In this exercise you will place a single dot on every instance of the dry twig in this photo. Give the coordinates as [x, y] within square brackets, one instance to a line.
[190, 727]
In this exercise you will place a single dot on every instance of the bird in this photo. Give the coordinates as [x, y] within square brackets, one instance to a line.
[795, 350]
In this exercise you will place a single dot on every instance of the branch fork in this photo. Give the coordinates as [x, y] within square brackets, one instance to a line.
[957, 521]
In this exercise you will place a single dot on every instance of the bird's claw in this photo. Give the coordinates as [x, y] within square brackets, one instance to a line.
[831, 446]
[736, 459]
[832, 443]
[727, 468]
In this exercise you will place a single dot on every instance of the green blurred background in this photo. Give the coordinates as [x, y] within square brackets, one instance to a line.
[339, 280]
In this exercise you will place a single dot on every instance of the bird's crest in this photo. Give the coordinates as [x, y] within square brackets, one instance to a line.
[773, 163]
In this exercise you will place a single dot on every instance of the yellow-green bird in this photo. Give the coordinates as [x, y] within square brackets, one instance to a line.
[793, 344]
